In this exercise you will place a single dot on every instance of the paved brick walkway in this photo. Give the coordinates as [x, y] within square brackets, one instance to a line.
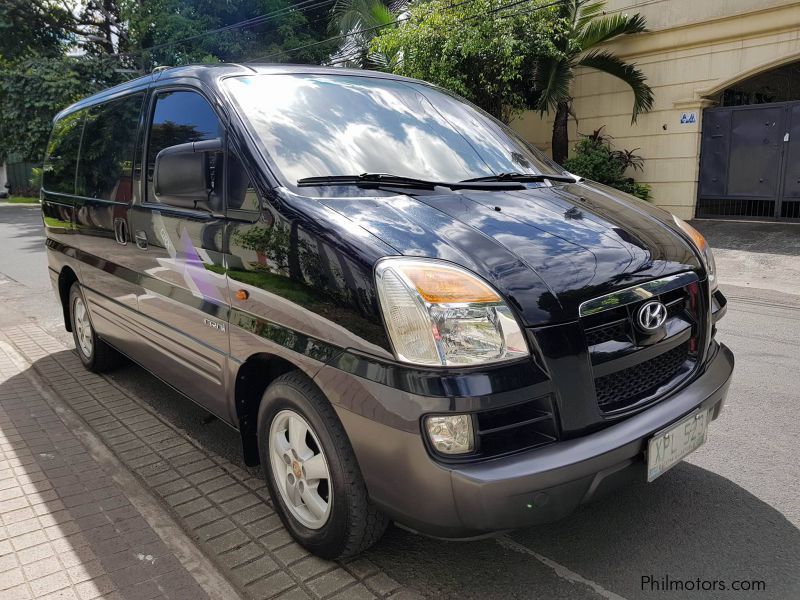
[219, 504]
[68, 530]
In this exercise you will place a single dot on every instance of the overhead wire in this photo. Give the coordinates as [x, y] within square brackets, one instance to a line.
[307, 5]
[301, 7]
[395, 22]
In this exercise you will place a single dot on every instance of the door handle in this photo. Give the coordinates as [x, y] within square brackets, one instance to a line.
[141, 240]
[121, 231]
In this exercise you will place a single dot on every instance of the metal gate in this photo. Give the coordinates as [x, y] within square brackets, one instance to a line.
[750, 162]
[19, 173]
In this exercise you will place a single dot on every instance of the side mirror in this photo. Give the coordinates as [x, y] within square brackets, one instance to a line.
[183, 174]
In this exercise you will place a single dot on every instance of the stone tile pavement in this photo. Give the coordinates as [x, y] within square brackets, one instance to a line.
[67, 530]
[221, 506]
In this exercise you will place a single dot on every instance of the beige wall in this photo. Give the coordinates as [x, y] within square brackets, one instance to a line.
[694, 49]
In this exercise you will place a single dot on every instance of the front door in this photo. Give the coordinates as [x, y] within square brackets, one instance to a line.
[184, 303]
[749, 162]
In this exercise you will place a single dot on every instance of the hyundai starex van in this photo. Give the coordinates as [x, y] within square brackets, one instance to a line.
[407, 312]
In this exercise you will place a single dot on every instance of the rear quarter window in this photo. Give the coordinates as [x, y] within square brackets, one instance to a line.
[109, 143]
[61, 158]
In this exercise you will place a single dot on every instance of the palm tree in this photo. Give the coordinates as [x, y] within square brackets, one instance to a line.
[588, 27]
[360, 21]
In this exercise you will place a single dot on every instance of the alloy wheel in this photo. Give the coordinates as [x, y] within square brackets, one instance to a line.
[83, 328]
[300, 469]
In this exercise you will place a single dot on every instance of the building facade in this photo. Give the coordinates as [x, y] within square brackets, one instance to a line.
[726, 79]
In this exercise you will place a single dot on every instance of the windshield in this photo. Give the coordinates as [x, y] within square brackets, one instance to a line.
[319, 125]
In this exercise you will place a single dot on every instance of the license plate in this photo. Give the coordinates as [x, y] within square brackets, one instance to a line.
[669, 447]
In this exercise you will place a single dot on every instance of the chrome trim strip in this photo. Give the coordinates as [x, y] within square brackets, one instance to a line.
[636, 293]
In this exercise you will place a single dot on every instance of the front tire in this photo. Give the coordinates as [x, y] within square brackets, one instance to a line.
[94, 353]
[312, 472]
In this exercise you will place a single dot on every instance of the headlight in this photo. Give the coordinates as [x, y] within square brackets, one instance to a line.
[705, 250]
[440, 314]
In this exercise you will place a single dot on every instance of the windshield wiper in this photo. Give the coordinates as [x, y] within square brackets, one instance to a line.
[522, 178]
[389, 180]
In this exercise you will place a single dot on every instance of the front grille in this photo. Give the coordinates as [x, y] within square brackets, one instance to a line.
[626, 387]
[676, 308]
[622, 379]
[616, 331]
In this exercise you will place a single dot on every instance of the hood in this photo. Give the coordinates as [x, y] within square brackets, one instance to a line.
[546, 249]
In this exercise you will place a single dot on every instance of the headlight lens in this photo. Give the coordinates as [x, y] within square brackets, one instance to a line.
[440, 314]
[702, 246]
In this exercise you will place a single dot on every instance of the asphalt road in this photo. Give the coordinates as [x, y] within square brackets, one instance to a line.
[729, 513]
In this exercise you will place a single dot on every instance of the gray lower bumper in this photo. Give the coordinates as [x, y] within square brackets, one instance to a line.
[524, 489]
[549, 483]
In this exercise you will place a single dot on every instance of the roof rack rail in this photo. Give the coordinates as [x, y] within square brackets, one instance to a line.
[160, 68]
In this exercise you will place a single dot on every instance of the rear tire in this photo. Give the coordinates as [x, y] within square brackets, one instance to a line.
[94, 353]
[306, 455]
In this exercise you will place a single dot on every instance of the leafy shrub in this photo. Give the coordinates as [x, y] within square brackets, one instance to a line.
[596, 159]
[35, 180]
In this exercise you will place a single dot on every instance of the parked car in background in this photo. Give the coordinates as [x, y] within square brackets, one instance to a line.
[407, 312]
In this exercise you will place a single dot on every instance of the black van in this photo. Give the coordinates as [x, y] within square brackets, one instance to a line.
[407, 311]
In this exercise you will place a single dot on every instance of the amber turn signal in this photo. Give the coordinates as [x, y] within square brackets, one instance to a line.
[696, 236]
[242, 295]
[442, 284]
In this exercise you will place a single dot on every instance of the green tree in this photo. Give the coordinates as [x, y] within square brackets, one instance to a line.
[51, 28]
[103, 27]
[360, 21]
[177, 32]
[478, 49]
[32, 91]
[38, 78]
[33, 28]
[588, 28]
[53, 53]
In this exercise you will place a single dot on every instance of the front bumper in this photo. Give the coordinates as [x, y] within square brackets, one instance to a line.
[537, 486]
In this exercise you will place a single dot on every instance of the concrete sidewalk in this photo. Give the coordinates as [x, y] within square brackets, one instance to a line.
[69, 530]
[222, 508]
[755, 254]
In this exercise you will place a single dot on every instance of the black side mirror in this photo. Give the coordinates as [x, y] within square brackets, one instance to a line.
[183, 174]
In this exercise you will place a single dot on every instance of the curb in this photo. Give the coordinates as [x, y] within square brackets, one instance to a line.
[195, 562]
[219, 505]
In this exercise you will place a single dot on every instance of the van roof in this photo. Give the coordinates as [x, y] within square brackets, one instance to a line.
[210, 75]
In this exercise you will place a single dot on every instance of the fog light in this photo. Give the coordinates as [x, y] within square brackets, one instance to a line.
[451, 434]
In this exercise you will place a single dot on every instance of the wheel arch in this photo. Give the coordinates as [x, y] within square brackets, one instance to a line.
[252, 379]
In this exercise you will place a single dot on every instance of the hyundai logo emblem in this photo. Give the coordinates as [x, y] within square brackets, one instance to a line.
[651, 316]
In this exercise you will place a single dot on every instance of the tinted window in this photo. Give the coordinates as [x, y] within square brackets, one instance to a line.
[345, 125]
[241, 195]
[178, 117]
[109, 143]
[62, 154]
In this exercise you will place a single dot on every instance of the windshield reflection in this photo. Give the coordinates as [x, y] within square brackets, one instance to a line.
[316, 125]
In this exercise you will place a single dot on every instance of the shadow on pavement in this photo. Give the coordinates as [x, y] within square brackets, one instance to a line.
[689, 524]
[182, 413]
[70, 527]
